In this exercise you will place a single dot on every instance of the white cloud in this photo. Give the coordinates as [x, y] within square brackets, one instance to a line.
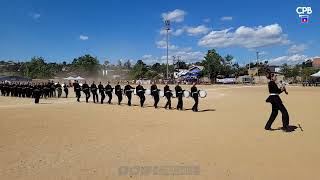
[149, 59]
[162, 44]
[192, 31]
[226, 18]
[297, 48]
[35, 16]
[207, 20]
[184, 54]
[173, 32]
[83, 37]
[248, 37]
[293, 59]
[174, 16]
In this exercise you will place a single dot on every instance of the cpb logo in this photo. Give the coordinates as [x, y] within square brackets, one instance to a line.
[304, 13]
[303, 10]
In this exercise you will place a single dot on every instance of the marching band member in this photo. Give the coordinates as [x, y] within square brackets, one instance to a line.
[276, 103]
[179, 95]
[59, 89]
[94, 92]
[100, 86]
[66, 90]
[155, 93]
[109, 92]
[118, 92]
[195, 96]
[77, 89]
[86, 91]
[128, 91]
[37, 93]
[140, 92]
[167, 94]
[102, 90]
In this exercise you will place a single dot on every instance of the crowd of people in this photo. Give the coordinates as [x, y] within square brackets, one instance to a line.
[53, 90]
[32, 90]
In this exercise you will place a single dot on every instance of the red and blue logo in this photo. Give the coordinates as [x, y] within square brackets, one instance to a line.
[304, 18]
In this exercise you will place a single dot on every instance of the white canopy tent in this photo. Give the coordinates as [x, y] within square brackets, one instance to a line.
[79, 78]
[316, 74]
[74, 78]
[69, 78]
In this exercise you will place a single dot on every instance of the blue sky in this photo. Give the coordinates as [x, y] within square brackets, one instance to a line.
[117, 29]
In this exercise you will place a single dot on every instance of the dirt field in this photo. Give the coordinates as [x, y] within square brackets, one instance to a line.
[63, 139]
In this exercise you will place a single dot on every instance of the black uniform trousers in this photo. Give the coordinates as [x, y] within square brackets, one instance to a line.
[180, 102]
[119, 95]
[129, 96]
[110, 97]
[196, 101]
[168, 96]
[276, 106]
[103, 96]
[142, 99]
[95, 96]
[78, 95]
[156, 100]
[87, 93]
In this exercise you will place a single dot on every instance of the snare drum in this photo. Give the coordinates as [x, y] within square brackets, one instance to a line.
[135, 92]
[186, 93]
[202, 93]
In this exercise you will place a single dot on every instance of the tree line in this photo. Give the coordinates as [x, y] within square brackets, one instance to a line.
[214, 65]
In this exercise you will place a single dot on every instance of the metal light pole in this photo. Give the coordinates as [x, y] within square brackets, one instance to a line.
[167, 28]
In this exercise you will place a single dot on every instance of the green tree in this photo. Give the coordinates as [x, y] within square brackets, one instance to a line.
[86, 64]
[212, 64]
[127, 64]
[37, 68]
[139, 70]
[156, 67]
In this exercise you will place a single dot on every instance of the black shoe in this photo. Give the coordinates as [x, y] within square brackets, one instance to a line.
[268, 128]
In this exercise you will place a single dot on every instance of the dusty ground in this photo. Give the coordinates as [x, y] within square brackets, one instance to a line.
[63, 139]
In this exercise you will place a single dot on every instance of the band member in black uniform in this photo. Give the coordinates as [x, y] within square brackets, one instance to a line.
[59, 89]
[29, 90]
[109, 92]
[86, 91]
[179, 95]
[128, 91]
[66, 90]
[155, 93]
[195, 96]
[1, 88]
[168, 95]
[276, 103]
[19, 89]
[103, 96]
[36, 93]
[100, 86]
[46, 90]
[94, 92]
[77, 90]
[13, 89]
[140, 92]
[23, 90]
[52, 89]
[118, 92]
